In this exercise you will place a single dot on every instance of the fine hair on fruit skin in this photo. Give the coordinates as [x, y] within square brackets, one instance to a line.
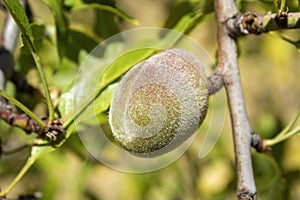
[159, 103]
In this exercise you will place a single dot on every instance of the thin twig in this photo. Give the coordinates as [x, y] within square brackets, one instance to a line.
[242, 131]
[21, 120]
[51, 131]
[251, 23]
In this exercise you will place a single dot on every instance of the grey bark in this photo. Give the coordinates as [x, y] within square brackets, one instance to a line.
[242, 131]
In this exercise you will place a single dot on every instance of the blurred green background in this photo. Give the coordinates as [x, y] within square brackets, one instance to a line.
[269, 68]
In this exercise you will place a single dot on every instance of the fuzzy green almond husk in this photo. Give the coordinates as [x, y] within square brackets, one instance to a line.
[159, 103]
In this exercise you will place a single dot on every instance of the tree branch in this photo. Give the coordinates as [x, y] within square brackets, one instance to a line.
[215, 82]
[20, 120]
[242, 131]
[53, 130]
[243, 24]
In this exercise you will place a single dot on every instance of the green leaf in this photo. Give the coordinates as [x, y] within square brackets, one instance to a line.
[87, 93]
[121, 65]
[182, 8]
[38, 32]
[105, 24]
[102, 102]
[60, 20]
[25, 62]
[292, 129]
[90, 72]
[185, 25]
[187, 14]
[125, 62]
[17, 12]
[80, 6]
[61, 24]
[273, 5]
[73, 46]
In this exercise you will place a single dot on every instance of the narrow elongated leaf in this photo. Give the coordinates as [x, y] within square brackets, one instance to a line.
[122, 65]
[105, 24]
[180, 9]
[118, 12]
[125, 62]
[17, 12]
[61, 24]
[90, 71]
[57, 8]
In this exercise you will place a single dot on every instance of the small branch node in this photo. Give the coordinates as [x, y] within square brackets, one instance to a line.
[282, 19]
[251, 23]
[259, 144]
[232, 24]
[54, 130]
[245, 195]
[214, 83]
[244, 24]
